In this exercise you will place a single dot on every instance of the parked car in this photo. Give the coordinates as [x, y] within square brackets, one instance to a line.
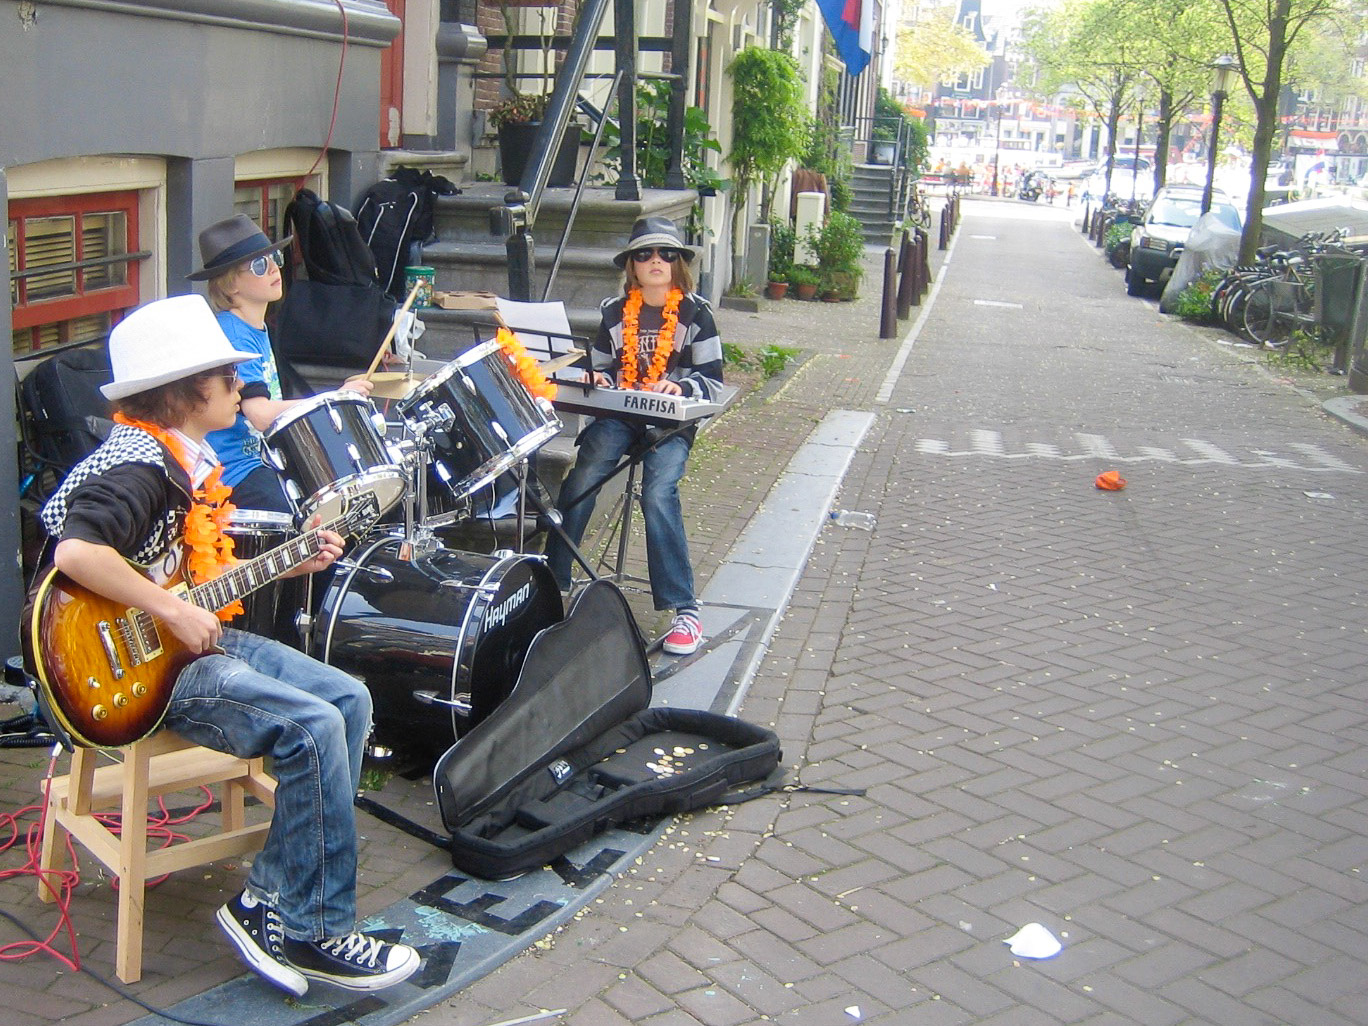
[1127, 183]
[1158, 239]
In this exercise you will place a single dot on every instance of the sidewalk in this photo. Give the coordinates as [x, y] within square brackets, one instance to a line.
[1135, 717]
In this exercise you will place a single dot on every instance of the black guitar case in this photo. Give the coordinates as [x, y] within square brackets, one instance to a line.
[576, 749]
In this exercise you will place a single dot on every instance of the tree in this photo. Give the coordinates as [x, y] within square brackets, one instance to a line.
[935, 49]
[1088, 46]
[1265, 35]
[769, 127]
[1177, 40]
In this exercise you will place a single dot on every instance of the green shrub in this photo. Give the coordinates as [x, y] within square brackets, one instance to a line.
[1194, 302]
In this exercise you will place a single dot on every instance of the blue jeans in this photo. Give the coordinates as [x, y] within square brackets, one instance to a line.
[264, 698]
[601, 445]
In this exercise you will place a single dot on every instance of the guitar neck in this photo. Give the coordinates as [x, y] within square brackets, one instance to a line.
[245, 578]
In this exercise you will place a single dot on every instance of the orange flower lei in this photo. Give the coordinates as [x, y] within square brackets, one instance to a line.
[525, 368]
[210, 549]
[631, 316]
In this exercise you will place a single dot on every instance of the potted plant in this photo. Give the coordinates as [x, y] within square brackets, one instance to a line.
[839, 245]
[517, 119]
[769, 128]
[804, 281]
[782, 238]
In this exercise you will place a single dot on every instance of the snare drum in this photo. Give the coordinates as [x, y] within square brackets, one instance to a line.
[271, 610]
[329, 450]
[439, 640]
[481, 418]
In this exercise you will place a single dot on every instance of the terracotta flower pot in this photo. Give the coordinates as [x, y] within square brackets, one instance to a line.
[806, 291]
[776, 289]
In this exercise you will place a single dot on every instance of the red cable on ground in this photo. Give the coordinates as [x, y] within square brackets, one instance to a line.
[61, 883]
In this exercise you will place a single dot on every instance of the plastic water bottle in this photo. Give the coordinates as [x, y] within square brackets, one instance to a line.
[854, 518]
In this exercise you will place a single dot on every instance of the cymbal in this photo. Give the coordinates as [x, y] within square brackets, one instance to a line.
[392, 384]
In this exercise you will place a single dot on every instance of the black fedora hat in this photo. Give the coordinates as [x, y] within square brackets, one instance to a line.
[655, 231]
[229, 242]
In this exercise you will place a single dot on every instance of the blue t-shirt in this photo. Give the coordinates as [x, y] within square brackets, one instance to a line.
[239, 447]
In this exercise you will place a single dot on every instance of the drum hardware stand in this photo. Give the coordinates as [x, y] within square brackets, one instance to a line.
[460, 704]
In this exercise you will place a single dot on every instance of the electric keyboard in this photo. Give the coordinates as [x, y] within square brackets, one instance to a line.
[651, 406]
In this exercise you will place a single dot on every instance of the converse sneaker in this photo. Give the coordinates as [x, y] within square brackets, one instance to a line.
[257, 932]
[686, 634]
[355, 961]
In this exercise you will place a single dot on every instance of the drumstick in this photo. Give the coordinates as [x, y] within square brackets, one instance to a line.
[389, 336]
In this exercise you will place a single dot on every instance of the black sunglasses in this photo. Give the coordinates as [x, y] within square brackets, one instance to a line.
[640, 256]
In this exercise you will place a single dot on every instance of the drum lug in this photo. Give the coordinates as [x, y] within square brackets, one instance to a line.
[355, 454]
[381, 425]
[469, 384]
[378, 572]
[272, 458]
[460, 704]
[336, 418]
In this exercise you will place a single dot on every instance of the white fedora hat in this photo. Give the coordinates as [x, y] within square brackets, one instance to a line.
[166, 341]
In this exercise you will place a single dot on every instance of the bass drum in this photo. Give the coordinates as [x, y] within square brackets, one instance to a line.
[439, 640]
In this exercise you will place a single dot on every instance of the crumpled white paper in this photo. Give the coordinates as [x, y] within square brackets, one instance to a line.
[1034, 941]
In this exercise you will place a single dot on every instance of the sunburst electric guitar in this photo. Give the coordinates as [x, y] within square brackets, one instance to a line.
[106, 670]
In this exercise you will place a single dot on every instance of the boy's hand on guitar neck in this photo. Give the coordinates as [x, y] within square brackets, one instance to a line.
[330, 550]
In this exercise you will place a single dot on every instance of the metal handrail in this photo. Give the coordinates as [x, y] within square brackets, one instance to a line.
[579, 191]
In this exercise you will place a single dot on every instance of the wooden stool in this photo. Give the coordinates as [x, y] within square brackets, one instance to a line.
[163, 763]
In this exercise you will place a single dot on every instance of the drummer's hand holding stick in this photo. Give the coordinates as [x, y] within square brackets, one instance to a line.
[384, 346]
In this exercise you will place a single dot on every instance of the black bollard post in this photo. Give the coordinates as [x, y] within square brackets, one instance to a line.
[924, 273]
[945, 225]
[888, 319]
[907, 274]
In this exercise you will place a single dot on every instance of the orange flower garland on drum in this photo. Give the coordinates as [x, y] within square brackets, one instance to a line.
[210, 549]
[631, 316]
[525, 368]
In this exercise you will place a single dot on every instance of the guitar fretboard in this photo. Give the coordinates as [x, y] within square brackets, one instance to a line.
[245, 578]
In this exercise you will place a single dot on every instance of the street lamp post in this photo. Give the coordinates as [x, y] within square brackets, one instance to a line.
[1223, 68]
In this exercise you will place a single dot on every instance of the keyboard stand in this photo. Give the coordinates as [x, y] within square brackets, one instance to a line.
[620, 519]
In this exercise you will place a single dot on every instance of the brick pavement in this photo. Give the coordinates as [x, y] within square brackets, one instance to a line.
[1135, 717]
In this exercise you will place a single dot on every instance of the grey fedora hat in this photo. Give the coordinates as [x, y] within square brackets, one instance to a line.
[229, 242]
[655, 231]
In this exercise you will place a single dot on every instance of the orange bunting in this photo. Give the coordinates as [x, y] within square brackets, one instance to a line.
[525, 368]
[210, 548]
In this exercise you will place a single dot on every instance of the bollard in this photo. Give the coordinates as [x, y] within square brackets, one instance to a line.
[888, 319]
[924, 271]
[907, 274]
[944, 225]
[1087, 215]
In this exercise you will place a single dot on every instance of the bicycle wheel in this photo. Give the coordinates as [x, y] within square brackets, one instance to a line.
[1259, 316]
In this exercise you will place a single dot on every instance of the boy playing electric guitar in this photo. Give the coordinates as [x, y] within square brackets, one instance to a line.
[154, 480]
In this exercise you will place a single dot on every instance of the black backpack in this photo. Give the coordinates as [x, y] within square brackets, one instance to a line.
[395, 215]
[337, 315]
[329, 242]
